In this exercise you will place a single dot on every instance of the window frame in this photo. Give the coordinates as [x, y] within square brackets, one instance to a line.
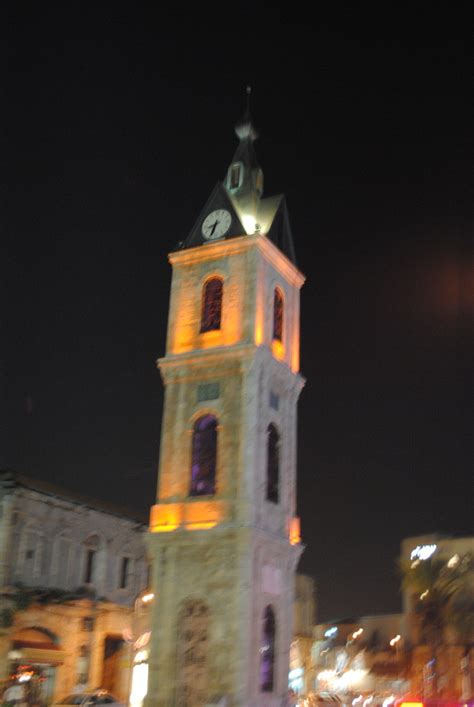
[211, 321]
[230, 185]
[197, 460]
[272, 480]
[268, 633]
[278, 318]
[125, 572]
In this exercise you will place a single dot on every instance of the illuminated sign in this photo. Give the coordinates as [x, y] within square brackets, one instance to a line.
[423, 552]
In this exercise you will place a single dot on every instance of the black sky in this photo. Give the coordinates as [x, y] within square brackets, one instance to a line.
[111, 142]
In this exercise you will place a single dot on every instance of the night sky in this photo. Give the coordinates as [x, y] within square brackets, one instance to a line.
[110, 146]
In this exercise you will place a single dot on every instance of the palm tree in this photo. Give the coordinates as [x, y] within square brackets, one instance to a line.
[445, 599]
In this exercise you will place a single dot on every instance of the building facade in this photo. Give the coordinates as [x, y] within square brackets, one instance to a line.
[70, 570]
[224, 536]
[394, 652]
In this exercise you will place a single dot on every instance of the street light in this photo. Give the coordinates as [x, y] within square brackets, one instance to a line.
[395, 643]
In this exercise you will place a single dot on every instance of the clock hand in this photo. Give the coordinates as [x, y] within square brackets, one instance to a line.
[213, 227]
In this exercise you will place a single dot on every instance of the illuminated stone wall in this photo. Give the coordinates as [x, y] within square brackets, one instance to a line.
[235, 551]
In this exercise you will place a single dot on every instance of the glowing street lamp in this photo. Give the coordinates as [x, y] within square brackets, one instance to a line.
[395, 643]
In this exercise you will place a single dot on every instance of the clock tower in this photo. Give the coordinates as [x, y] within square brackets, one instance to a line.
[224, 536]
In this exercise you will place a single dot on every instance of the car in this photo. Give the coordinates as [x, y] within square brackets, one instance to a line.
[433, 702]
[90, 698]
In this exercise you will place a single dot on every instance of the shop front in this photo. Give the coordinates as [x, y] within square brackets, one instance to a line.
[33, 659]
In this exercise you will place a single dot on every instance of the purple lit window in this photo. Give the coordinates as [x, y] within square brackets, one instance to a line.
[204, 452]
[278, 315]
[267, 651]
[273, 463]
[211, 305]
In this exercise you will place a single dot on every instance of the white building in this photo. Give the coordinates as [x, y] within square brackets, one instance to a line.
[70, 569]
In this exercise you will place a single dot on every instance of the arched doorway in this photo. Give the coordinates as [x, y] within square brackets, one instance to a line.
[193, 631]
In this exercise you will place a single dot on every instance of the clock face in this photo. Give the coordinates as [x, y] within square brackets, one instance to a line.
[216, 224]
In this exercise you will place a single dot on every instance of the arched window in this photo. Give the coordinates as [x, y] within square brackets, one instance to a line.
[211, 305]
[62, 560]
[273, 463]
[267, 651]
[30, 554]
[277, 315]
[204, 454]
[91, 551]
[235, 175]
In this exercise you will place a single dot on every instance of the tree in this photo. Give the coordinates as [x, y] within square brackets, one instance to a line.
[445, 600]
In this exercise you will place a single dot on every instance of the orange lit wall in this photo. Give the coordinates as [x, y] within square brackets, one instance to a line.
[294, 532]
[191, 269]
[275, 268]
[192, 515]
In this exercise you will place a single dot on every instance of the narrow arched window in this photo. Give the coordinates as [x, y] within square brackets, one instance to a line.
[277, 315]
[211, 305]
[91, 551]
[267, 651]
[204, 456]
[235, 175]
[273, 463]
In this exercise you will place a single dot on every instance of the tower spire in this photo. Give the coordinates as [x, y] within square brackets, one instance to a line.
[244, 128]
[249, 91]
[244, 180]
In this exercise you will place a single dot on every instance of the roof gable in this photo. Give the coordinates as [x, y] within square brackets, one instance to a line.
[219, 199]
[275, 222]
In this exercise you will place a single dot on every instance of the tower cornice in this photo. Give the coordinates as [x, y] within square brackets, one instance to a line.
[240, 244]
[189, 366]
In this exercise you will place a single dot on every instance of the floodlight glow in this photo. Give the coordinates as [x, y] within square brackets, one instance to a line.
[139, 684]
[249, 223]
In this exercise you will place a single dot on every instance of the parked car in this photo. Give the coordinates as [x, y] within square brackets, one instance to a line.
[90, 699]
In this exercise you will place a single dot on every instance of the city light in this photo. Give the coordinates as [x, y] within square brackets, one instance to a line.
[331, 632]
[423, 552]
[395, 640]
[453, 561]
[148, 597]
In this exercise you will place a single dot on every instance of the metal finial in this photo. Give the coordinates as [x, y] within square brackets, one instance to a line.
[244, 127]
[249, 91]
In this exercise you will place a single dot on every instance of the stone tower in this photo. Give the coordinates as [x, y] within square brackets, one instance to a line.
[224, 537]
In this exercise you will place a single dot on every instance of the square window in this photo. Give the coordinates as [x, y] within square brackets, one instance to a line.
[274, 400]
[208, 391]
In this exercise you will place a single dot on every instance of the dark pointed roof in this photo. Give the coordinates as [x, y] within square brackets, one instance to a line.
[274, 212]
[244, 202]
